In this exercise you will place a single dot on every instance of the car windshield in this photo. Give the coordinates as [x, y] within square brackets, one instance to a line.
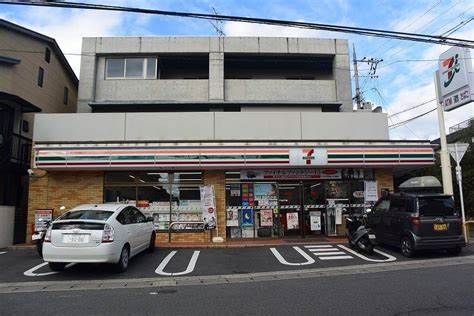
[87, 214]
[436, 206]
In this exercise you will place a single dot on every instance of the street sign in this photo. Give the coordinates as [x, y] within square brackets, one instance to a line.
[457, 151]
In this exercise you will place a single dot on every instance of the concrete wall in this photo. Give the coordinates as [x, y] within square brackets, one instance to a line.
[317, 91]
[21, 79]
[7, 223]
[94, 87]
[207, 126]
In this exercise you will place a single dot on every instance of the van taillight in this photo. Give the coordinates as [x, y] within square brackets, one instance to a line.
[108, 233]
[415, 220]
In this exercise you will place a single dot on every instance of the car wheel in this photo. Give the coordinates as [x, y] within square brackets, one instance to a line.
[122, 264]
[454, 251]
[407, 248]
[57, 266]
[151, 246]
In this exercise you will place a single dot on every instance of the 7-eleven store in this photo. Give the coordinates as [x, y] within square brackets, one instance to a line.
[283, 190]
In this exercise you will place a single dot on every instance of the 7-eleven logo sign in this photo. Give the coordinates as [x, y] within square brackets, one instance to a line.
[450, 68]
[308, 156]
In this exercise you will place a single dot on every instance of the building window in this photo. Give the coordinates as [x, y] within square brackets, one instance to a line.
[25, 126]
[40, 76]
[130, 68]
[47, 55]
[66, 96]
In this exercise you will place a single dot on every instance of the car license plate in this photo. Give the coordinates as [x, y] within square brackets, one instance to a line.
[371, 236]
[440, 227]
[75, 238]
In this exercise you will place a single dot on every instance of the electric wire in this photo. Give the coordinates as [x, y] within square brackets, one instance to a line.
[399, 124]
[426, 38]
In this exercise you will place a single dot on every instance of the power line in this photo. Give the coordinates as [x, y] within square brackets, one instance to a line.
[398, 124]
[411, 108]
[433, 39]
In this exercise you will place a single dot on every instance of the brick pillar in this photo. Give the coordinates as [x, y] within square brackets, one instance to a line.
[384, 178]
[217, 179]
[54, 189]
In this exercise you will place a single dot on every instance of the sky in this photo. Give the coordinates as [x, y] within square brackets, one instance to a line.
[403, 79]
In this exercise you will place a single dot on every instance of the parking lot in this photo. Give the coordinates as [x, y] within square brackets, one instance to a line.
[24, 265]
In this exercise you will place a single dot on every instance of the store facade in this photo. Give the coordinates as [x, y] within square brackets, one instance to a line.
[258, 192]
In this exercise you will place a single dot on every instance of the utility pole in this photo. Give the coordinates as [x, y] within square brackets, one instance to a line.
[372, 62]
[358, 97]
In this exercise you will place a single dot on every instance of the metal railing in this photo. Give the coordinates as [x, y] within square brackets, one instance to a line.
[460, 126]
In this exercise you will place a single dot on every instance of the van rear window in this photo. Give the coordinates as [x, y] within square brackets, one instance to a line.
[436, 206]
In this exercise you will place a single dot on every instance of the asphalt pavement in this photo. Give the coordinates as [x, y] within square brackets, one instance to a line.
[26, 266]
[444, 290]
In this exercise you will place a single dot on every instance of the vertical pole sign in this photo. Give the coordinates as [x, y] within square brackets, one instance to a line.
[457, 151]
[454, 88]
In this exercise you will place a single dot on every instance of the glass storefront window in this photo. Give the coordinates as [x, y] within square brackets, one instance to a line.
[167, 197]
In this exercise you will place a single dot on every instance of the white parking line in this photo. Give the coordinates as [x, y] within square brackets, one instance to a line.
[319, 246]
[336, 252]
[336, 257]
[189, 269]
[282, 260]
[2, 252]
[31, 272]
[324, 249]
[388, 256]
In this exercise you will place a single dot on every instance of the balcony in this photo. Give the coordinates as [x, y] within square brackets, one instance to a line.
[18, 150]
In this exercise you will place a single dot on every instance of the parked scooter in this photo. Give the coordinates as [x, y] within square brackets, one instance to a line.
[358, 234]
[38, 237]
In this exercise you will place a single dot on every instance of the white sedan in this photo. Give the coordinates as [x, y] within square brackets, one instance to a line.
[111, 233]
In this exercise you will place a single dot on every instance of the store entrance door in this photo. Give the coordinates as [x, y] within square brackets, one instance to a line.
[290, 208]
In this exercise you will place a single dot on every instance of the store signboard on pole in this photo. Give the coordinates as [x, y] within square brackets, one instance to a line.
[208, 206]
[455, 79]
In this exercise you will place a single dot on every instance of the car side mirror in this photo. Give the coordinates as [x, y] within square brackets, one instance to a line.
[149, 219]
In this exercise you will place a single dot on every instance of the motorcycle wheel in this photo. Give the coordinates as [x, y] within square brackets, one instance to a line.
[365, 245]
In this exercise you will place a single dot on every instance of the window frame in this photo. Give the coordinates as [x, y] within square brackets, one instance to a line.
[47, 55]
[66, 96]
[40, 79]
[124, 77]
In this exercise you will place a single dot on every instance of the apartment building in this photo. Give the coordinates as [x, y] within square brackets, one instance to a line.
[257, 134]
[34, 77]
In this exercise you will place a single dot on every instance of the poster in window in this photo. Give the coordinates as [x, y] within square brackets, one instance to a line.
[232, 218]
[266, 218]
[247, 217]
[370, 190]
[292, 221]
[315, 220]
[208, 206]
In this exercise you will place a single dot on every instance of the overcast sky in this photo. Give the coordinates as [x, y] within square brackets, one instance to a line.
[401, 83]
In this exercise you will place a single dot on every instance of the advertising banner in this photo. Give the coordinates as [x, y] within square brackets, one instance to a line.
[266, 218]
[315, 220]
[208, 206]
[247, 217]
[290, 174]
[233, 218]
[292, 221]
[42, 218]
[370, 191]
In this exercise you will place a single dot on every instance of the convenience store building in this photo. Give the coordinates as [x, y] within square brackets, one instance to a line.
[267, 122]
